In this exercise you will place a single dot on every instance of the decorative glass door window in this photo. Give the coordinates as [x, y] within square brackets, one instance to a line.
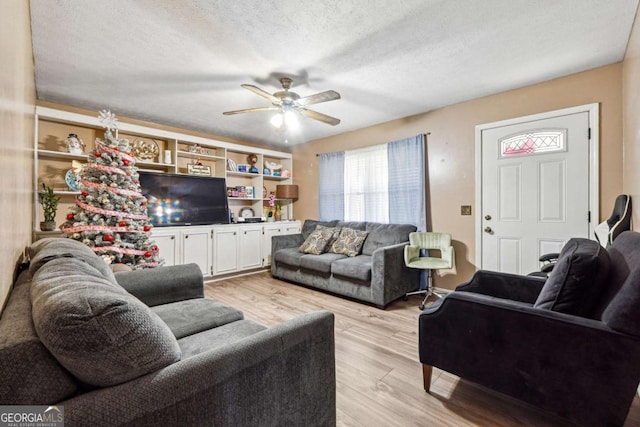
[533, 142]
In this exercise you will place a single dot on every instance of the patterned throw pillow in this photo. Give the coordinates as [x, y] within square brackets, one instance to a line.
[334, 236]
[349, 242]
[317, 241]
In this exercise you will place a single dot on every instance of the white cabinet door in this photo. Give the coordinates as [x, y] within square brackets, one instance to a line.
[249, 247]
[167, 245]
[278, 229]
[225, 249]
[196, 247]
[269, 232]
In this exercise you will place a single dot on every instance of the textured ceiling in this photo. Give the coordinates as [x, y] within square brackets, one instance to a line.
[181, 63]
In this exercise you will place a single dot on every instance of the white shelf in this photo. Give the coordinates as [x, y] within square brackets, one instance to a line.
[190, 155]
[249, 199]
[276, 178]
[62, 155]
[247, 174]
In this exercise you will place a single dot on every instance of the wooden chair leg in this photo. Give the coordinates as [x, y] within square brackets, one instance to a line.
[426, 377]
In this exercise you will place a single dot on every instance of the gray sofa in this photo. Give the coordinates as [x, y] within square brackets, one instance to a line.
[146, 348]
[377, 276]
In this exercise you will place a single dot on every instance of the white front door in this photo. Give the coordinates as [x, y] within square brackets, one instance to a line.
[535, 189]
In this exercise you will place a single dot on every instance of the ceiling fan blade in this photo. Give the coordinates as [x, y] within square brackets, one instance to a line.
[250, 110]
[328, 95]
[264, 94]
[319, 116]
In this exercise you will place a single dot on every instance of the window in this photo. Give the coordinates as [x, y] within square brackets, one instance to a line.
[366, 183]
[544, 141]
[383, 183]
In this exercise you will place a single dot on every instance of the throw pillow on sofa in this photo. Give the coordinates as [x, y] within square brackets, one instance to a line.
[334, 236]
[577, 280]
[95, 329]
[349, 242]
[317, 241]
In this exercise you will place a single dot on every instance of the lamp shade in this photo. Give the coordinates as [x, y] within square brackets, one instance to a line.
[287, 191]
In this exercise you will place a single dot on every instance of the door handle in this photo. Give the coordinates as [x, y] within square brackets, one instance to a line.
[488, 230]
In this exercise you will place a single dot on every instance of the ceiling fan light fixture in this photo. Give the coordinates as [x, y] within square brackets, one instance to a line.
[289, 105]
[276, 120]
[291, 119]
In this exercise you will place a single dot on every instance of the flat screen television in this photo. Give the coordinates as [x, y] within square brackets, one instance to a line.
[184, 199]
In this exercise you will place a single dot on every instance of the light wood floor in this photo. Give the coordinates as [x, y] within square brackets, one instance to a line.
[379, 377]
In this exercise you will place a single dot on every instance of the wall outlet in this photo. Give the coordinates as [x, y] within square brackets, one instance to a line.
[465, 210]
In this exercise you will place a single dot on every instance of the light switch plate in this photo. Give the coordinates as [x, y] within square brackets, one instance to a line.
[465, 210]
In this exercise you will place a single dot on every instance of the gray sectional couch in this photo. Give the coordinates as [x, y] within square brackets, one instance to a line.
[146, 348]
[376, 276]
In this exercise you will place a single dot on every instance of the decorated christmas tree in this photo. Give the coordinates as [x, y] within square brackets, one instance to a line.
[110, 214]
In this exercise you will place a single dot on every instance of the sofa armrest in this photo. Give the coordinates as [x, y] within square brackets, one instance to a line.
[390, 277]
[533, 355]
[285, 241]
[162, 285]
[504, 285]
[284, 375]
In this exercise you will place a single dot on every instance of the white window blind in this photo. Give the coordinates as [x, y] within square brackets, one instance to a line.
[366, 184]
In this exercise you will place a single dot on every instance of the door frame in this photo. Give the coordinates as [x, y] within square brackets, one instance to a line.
[594, 162]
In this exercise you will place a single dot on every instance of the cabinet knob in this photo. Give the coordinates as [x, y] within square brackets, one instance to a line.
[234, 233]
[488, 230]
[173, 237]
[186, 237]
[245, 232]
[279, 231]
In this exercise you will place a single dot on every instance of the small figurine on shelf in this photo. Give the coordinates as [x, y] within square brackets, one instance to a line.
[74, 144]
[253, 159]
[72, 177]
[273, 167]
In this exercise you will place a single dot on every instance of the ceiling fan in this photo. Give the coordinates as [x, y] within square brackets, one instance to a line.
[286, 102]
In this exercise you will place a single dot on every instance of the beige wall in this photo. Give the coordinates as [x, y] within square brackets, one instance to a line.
[631, 120]
[17, 107]
[451, 150]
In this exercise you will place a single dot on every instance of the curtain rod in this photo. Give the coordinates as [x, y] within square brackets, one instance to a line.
[425, 137]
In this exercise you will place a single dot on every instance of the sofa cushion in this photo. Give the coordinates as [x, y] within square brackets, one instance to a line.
[354, 225]
[98, 331]
[320, 263]
[45, 250]
[358, 267]
[349, 242]
[317, 241]
[310, 225]
[288, 257]
[577, 280]
[30, 373]
[191, 316]
[381, 235]
[224, 335]
[622, 312]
